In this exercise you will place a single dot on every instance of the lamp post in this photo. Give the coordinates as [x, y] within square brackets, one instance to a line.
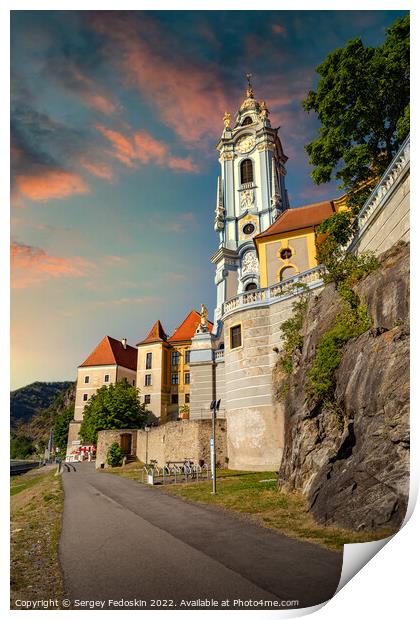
[147, 429]
[215, 404]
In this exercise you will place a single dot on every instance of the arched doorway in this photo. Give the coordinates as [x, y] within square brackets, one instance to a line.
[125, 443]
[251, 286]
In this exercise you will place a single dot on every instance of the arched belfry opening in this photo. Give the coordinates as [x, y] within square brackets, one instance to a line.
[247, 172]
[247, 121]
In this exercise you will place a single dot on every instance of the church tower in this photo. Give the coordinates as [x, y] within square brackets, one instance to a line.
[251, 194]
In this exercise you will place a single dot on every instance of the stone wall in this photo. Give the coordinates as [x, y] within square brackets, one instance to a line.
[392, 222]
[107, 438]
[351, 458]
[184, 439]
[255, 422]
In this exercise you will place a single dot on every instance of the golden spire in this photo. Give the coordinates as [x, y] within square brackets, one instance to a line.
[249, 90]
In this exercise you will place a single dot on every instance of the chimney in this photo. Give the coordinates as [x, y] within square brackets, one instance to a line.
[124, 343]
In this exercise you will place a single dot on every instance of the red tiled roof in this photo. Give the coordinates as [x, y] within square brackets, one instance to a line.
[156, 334]
[302, 217]
[188, 327]
[111, 351]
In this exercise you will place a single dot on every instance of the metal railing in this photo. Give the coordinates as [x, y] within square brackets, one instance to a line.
[174, 474]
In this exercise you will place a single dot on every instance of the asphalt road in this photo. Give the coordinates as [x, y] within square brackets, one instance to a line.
[139, 547]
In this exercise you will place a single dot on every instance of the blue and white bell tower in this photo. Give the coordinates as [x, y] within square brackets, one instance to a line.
[251, 194]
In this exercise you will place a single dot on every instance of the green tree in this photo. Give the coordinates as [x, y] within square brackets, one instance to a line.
[362, 102]
[113, 406]
[61, 428]
[21, 447]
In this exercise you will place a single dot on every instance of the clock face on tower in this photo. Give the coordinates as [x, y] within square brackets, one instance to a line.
[245, 144]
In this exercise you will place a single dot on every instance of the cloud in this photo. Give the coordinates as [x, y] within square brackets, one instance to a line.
[190, 97]
[98, 169]
[183, 222]
[279, 29]
[49, 158]
[141, 148]
[50, 184]
[32, 265]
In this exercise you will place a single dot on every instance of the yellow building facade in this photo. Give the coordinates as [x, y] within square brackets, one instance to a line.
[288, 246]
[163, 369]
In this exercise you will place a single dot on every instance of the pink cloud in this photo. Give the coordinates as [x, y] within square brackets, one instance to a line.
[190, 98]
[84, 88]
[187, 164]
[50, 184]
[142, 148]
[31, 265]
[98, 169]
[183, 222]
[279, 29]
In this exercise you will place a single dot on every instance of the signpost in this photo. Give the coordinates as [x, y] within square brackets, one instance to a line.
[215, 404]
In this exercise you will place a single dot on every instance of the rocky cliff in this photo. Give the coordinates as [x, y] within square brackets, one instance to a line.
[351, 459]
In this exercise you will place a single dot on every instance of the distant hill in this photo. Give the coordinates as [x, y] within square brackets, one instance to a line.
[30, 400]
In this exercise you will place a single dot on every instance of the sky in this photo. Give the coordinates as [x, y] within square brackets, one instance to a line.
[114, 121]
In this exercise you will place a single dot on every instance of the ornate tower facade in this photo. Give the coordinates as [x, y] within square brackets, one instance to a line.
[251, 194]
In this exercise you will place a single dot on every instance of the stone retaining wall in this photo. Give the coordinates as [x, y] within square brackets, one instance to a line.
[184, 439]
[173, 441]
[107, 438]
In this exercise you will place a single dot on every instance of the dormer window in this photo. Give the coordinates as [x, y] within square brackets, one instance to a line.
[247, 173]
[247, 121]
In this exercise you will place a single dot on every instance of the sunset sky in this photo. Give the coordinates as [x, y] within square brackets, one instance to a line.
[115, 118]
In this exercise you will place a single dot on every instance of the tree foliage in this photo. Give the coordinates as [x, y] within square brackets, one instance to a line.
[21, 447]
[112, 407]
[61, 428]
[362, 102]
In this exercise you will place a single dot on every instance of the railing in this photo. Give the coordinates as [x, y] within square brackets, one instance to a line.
[285, 289]
[380, 195]
[174, 474]
[219, 355]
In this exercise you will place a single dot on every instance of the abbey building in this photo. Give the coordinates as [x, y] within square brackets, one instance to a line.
[263, 248]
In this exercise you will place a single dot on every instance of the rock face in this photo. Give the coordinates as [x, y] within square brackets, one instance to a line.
[351, 459]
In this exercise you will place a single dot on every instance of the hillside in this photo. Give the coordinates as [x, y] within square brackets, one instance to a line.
[349, 454]
[27, 401]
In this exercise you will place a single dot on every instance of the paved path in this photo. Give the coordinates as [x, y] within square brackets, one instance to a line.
[122, 540]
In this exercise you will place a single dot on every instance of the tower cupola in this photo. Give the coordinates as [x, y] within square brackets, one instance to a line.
[251, 193]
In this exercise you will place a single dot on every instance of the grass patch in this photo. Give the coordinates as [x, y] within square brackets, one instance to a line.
[36, 509]
[21, 483]
[132, 471]
[246, 493]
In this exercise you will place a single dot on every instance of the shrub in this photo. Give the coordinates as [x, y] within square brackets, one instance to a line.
[351, 323]
[291, 332]
[114, 456]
